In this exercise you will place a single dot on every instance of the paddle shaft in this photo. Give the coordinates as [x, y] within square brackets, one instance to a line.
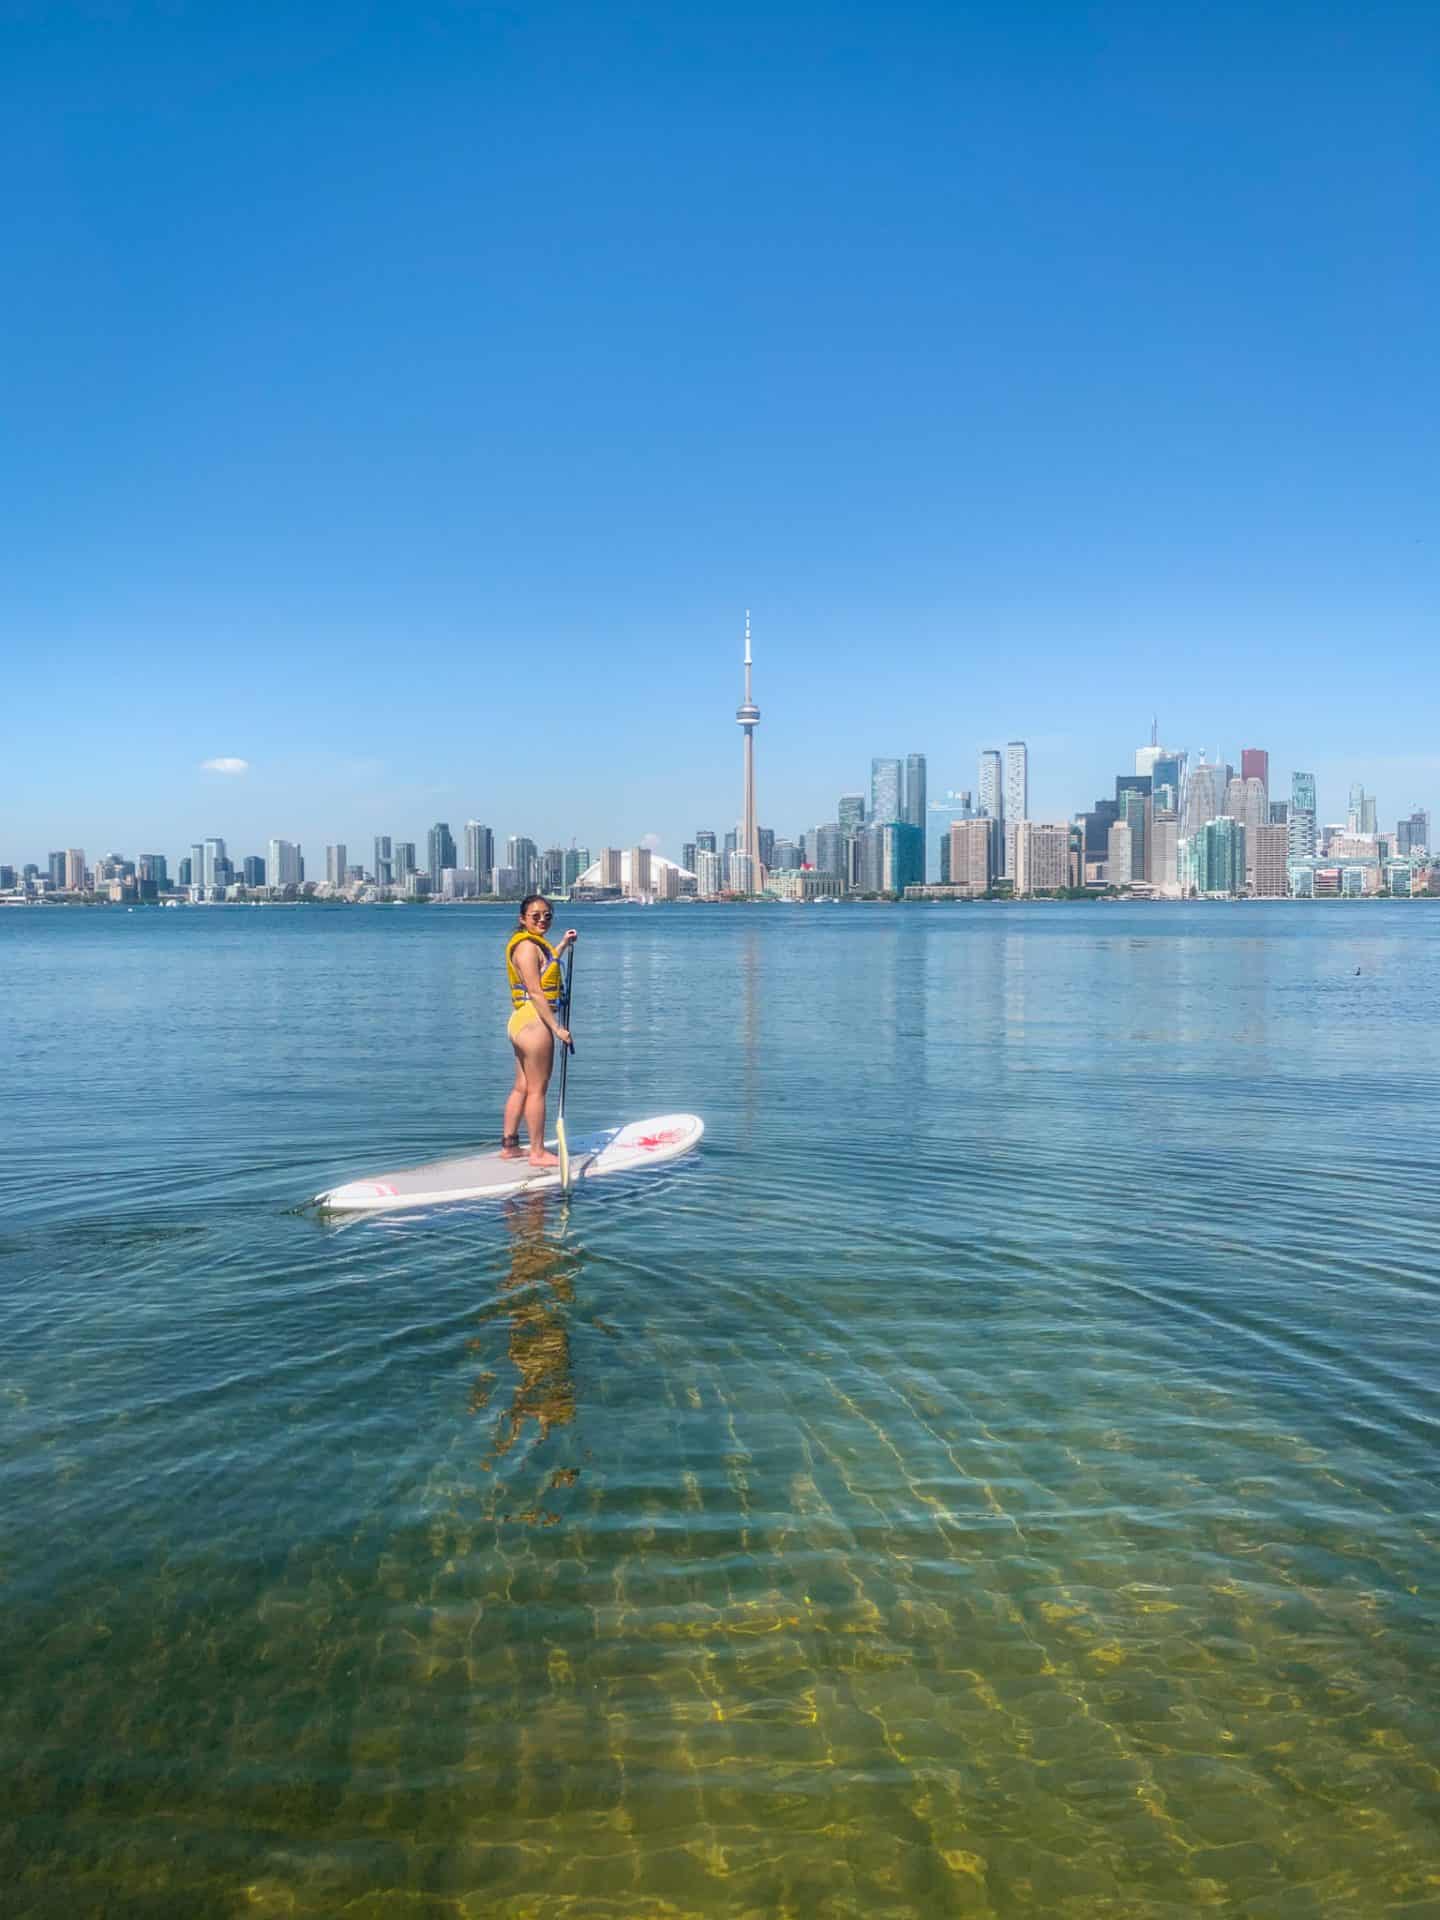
[565, 1053]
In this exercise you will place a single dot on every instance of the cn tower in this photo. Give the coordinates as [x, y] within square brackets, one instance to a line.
[748, 715]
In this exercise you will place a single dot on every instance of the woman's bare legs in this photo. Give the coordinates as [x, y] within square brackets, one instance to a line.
[534, 1058]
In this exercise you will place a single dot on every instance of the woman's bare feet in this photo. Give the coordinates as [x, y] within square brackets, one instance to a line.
[543, 1159]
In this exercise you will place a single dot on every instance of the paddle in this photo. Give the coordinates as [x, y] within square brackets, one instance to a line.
[565, 1054]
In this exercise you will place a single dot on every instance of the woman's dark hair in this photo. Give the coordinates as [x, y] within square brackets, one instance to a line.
[529, 901]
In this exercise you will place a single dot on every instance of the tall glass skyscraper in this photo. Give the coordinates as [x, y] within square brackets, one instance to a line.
[1301, 824]
[989, 795]
[479, 853]
[1411, 835]
[1135, 806]
[887, 792]
[441, 852]
[284, 864]
[1166, 768]
[850, 812]
[892, 856]
[1362, 810]
[522, 856]
[1218, 851]
[913, 811]
[903, 857]
[830, 855]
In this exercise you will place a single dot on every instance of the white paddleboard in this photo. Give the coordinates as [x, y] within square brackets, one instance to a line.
[485, 1176]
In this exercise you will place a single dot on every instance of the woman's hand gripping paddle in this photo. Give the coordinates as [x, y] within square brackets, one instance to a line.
[560, 1140]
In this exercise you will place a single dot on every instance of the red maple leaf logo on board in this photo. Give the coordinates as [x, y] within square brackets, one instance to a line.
[652, 1140]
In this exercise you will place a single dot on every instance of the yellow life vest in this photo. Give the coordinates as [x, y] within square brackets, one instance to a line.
[549, 976]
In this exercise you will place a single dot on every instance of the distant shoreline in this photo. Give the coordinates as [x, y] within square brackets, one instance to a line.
[854, 900]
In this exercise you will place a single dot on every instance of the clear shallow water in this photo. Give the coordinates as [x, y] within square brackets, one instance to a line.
[996, 1476]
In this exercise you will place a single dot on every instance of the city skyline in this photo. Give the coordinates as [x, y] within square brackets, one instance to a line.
[174, 843]
[961, 773]
[1179, 824]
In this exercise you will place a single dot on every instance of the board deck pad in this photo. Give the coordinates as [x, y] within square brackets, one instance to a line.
[485, 1176]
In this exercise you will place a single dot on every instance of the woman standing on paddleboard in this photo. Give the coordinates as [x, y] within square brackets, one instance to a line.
[532, 968]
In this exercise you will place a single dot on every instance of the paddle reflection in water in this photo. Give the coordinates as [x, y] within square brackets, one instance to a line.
[540, 1291]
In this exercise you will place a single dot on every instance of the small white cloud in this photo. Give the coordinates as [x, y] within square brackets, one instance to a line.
[225, 763]
[651, 840]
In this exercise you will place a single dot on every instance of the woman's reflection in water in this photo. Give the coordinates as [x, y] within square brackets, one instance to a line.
[542, 1279]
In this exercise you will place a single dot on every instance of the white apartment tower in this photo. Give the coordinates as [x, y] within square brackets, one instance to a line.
[285, 866]
[989, 795]
[1017, 781]
[1120, 856]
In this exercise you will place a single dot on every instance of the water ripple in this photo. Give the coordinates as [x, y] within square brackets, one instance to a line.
[994, 1477]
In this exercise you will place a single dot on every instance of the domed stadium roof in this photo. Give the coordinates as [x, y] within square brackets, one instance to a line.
[591, 877]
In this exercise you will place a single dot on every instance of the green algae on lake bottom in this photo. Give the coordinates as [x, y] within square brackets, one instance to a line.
[1013, 1496]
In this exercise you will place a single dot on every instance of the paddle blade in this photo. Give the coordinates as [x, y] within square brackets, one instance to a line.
[564, 1145]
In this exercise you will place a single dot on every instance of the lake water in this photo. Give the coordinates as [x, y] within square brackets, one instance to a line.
[996, 1476]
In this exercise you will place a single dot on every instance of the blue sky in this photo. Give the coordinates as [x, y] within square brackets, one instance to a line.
[409, 401]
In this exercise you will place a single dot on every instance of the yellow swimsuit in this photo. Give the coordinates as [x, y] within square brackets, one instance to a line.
[525, 1012]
